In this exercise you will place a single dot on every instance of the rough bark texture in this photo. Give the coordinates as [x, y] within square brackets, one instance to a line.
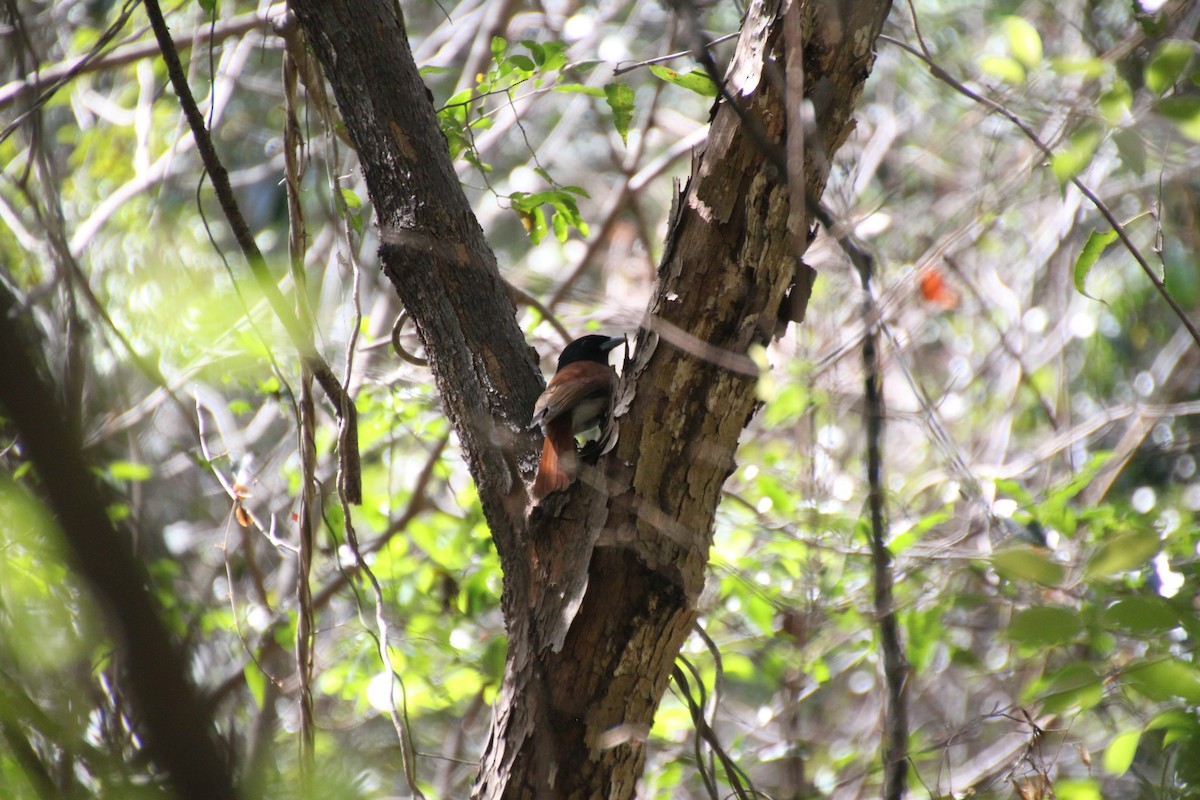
[601, 581]
[434, 252]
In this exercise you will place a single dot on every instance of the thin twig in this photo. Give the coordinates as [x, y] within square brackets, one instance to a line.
[895, 665]
[306, 637]
[619, 199]
[397, 711]
[1026, 374]
[620, 70]
[895, 668]
[697, 710]
[174, 727]
[522, 297]
[417, 502]
[945, 77]
[398, 346]
[737, 778]
[53, 77]
[306, 627]
[101, 43]
[300, 338]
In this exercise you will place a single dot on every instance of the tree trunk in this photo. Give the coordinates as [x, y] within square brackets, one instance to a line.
[601, 582]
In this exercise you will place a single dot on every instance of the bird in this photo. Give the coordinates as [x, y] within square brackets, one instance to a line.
[575, 400]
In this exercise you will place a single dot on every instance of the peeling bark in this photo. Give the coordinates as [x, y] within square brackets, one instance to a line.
[601, 582]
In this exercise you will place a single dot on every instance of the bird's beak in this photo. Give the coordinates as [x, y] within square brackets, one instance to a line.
[613, 343]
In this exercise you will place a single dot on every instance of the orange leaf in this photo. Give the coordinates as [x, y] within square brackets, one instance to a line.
[935, 290]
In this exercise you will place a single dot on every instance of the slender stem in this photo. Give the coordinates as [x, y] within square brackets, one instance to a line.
[945, 77]
[895, 664]
[300, 338]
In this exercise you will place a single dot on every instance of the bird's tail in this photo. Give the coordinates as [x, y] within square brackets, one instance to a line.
[556, 470]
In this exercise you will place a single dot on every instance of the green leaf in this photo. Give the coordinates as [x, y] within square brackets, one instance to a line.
[352, 201]
[579, 88]
[523, 202]
[1123, 553]
[559, 223]
[782, 495]
[1115, 101]
[1131, 149]
[555, 56]
[1077, 789]
[499, 46]
[1089, 68]
[914, 534]
[1078, 154]
[1006, 69]
[787, 405]
[536, 50]
[695, 80]
[256, 682]
[1023, 41]
[1010, 488]
[760, 612]
[1185, 113]
[1141, 615]
[460, 98]
[557, 59]
[1182, 279]
[1089, 255]
[1191, 742]
[1027, 564]
[1075, 687]
[1167, 64]
[1153, 24]
[1118, 756]
[1173, 719]
[1044, 625]
[524, 63]
[537, 226]
[129, 471]
[1160, 680]
[566, 205]
[620, 100]
[353, 209]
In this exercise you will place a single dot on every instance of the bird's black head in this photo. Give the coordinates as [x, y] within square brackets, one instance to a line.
[589, 348]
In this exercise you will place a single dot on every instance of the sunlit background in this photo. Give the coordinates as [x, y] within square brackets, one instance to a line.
[1041, 446]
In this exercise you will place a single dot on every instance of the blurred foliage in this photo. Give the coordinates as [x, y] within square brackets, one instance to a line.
[1041, 450]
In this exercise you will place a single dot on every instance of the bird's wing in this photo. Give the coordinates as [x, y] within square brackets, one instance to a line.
[570, 386]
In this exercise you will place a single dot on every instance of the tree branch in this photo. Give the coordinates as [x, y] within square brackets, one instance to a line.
[300, 338]
[601, 582]
[895, 665]
[945, 77]
[97, 61]
[435, 255]
[174, 724]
